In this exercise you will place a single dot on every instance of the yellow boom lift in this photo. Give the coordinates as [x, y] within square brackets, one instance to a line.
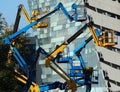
[35, 13]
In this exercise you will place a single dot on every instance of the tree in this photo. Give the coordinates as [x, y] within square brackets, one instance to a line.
[8, 83]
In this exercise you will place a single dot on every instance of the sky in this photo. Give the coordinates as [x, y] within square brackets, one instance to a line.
[9, 10]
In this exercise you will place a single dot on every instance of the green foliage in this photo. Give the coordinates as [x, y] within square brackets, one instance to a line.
[8, 83]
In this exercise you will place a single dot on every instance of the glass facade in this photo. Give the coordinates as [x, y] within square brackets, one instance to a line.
[59, 30]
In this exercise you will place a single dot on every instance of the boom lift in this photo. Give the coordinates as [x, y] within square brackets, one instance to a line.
[8, 40]
[82, 75]
[87, 70]
[106, 39]
[22, 78]
[73, 17]
[15, 52]
[76, 18]
[21, 9]
[39, 88]
[83, 71]
[35, 87]
[71, 84]
[35, 14]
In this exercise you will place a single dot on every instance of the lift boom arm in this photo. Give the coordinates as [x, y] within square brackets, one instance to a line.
[23, 30]
[48, 60]
[21, 9]
[20, 60]
[39, 88]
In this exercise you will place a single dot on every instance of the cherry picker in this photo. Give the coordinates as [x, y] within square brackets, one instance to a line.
[98, 39]
[70, 83]
[21, 9]
[8, 40]
[82, 75]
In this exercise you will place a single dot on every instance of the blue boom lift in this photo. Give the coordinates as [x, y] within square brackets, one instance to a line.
[82, 75]
[8, 40]
[84, 72]
[70, 83]
[99, 40]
